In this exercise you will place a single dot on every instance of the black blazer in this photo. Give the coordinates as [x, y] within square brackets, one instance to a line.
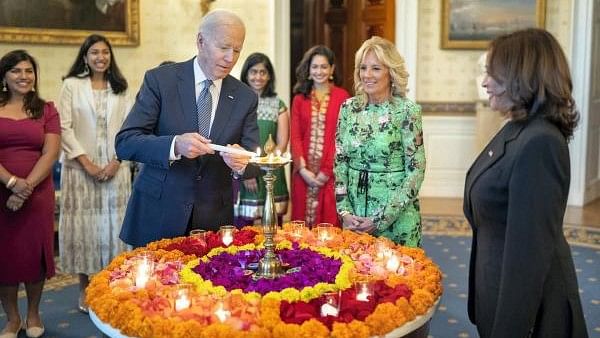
[164, 193]
[521, 275]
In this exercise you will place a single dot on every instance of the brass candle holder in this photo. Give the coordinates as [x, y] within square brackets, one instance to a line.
[269, 266]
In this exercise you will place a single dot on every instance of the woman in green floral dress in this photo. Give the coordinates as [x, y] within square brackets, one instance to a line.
[273, 121]
[380, 158]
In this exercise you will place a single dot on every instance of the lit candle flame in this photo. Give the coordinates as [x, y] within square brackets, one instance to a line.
[392, 264]
[363, 295]
[328, 309]
[182, 303]
[227, 238]
[221, 313]
[324, 235]
[142, 275]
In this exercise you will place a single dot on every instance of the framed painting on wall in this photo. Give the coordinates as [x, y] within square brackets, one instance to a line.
[69, 21]
[471, 24]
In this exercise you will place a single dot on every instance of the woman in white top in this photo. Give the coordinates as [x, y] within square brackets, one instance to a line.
[95, 185]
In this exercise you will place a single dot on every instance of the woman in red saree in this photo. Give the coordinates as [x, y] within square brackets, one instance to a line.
[314, 117]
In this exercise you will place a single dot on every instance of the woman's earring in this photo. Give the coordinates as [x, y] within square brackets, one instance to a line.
[4, 89]
[331, 77]
[86, 69]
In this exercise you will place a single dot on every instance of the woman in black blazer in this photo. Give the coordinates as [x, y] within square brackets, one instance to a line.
[522, 281]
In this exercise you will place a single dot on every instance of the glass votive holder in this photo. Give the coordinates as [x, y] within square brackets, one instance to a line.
[332, 304]
[198, 234]
[363, 288]
[297, 229]
[227, 234]
[222, 311]
[382, 249]
[143, 269]
[393, 263]
[325, 232]
[182, 296]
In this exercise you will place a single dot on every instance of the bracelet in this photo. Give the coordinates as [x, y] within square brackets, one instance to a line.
[12, 181]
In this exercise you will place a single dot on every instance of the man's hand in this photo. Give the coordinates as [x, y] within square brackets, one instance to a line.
[236, 162]
[192, 145]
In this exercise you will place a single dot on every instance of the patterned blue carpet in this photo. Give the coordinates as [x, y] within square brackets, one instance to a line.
[446, 240]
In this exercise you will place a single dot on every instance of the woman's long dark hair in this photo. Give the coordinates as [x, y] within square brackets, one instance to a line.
[303, 83]
[117, 81]
[32, 103]
[254, 59]
[532, 66]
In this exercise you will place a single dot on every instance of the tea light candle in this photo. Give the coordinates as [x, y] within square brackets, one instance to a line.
[328, 309]
[182, 303]
[227, 239]
[362, 296]
[325, 232]
[297, 229]
[363, 292]
[392, 263]
[221, 313]
[227, 234]
[324, 236]
[142, 274]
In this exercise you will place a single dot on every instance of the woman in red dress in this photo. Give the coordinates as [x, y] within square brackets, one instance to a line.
[315, 109]
[29, 145]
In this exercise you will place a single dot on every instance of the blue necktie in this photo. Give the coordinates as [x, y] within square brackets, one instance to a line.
[204, 109]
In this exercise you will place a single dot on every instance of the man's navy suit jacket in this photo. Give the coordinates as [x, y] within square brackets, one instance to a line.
[164, 193]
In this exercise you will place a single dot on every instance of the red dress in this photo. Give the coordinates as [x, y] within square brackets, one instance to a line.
[27, 235]
[302, 144]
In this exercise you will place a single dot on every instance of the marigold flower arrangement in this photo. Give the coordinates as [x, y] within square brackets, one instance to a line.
[225, 299]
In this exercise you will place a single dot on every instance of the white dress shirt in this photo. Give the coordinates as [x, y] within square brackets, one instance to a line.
[215, 92]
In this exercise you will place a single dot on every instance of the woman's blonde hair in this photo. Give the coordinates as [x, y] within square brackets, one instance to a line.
[388, 55]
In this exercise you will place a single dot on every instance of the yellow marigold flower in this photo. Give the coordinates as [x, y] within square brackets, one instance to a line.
[284, 244]
[290, 294]
[272, 294]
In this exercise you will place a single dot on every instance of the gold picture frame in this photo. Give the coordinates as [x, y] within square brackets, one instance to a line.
[69, 22]
[473, 24]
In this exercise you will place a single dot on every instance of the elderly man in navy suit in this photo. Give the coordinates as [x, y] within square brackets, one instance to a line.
[180, 110]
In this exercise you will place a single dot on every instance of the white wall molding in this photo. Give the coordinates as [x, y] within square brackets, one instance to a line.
[281, 40]
[407, 13]
[581, 37]
[450, 150]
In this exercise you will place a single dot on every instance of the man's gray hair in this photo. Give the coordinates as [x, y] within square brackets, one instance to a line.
[217, 18]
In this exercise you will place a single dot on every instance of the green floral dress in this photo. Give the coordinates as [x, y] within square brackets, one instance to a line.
[250, 204]
[380, 164]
